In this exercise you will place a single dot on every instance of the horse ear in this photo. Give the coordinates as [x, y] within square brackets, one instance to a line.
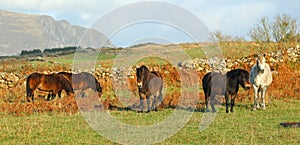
[264, 55]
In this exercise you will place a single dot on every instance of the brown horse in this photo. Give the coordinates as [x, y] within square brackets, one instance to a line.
[149, 83]
[82, 81]
[52, 83]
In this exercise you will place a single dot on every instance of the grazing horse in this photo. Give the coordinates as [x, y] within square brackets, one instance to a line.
[214, 83]
[149, 83]
[82, 81]
[260, 78]
[52, 83]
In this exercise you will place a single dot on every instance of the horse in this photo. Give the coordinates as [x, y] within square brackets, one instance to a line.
[149, 84]
[261, 79]
[227, 84]
[52, 83]
[82, 81]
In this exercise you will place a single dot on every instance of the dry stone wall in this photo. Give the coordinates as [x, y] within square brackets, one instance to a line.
[10, 80]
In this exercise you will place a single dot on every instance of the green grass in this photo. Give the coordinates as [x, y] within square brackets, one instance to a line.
[69, 59]
[47, 128]
[195, 53]
[241, 127]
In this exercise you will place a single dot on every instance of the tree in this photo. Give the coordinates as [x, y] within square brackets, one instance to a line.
[262, 31]
[283, 29]
[219, 37]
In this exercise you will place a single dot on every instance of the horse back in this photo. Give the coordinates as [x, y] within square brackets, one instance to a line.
[157, 74]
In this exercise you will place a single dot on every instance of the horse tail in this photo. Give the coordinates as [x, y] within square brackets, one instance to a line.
[99, 88]
[29, 90]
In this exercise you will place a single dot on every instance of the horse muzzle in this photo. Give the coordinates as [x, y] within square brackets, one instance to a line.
[247, 86]
[140, 84]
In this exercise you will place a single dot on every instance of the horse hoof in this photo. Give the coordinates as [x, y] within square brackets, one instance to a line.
[148, 111]
[254, 109]
[139, 111]
[264, 108]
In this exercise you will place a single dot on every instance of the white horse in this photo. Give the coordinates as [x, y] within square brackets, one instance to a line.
[260, 78]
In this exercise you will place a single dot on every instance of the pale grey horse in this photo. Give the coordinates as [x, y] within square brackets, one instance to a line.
[260, 78]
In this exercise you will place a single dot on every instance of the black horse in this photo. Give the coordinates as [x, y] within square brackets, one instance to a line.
[149, 83]
[224, 84]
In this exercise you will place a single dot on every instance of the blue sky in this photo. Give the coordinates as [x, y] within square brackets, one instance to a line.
[232, 17]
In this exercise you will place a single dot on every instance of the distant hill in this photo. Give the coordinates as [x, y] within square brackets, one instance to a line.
[26, 32]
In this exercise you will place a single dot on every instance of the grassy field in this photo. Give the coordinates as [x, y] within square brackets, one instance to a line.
[241, 127]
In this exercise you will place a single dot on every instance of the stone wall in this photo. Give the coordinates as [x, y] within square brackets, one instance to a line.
[10, 80]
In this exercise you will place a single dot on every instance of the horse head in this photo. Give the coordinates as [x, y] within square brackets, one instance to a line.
[141, 75]
[92, 82]
[244, 80]
[67, 84]
[261, 62]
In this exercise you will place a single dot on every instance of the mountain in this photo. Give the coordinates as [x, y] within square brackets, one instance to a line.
[26, 32]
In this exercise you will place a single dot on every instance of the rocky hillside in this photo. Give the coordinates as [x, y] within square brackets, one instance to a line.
[23, 32]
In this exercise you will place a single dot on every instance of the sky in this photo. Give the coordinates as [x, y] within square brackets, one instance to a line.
[137, 21]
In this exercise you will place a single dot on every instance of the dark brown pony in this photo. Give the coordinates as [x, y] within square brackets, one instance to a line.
[52, 83]
[149, 83]
[224, 84]
[82, 81]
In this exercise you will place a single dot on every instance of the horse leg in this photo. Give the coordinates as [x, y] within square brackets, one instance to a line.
[82, 94]
[232, 102]
[258, 98]
[28, 95]
[227, 102]
[141, 103]
[49, 95]
[31, 96]
[53, 96]
[148, 103]
[206, 101]
[154, 103]
[263, 93]
[212, 102]
[59, 94]
[255, 90]
[160, 97]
